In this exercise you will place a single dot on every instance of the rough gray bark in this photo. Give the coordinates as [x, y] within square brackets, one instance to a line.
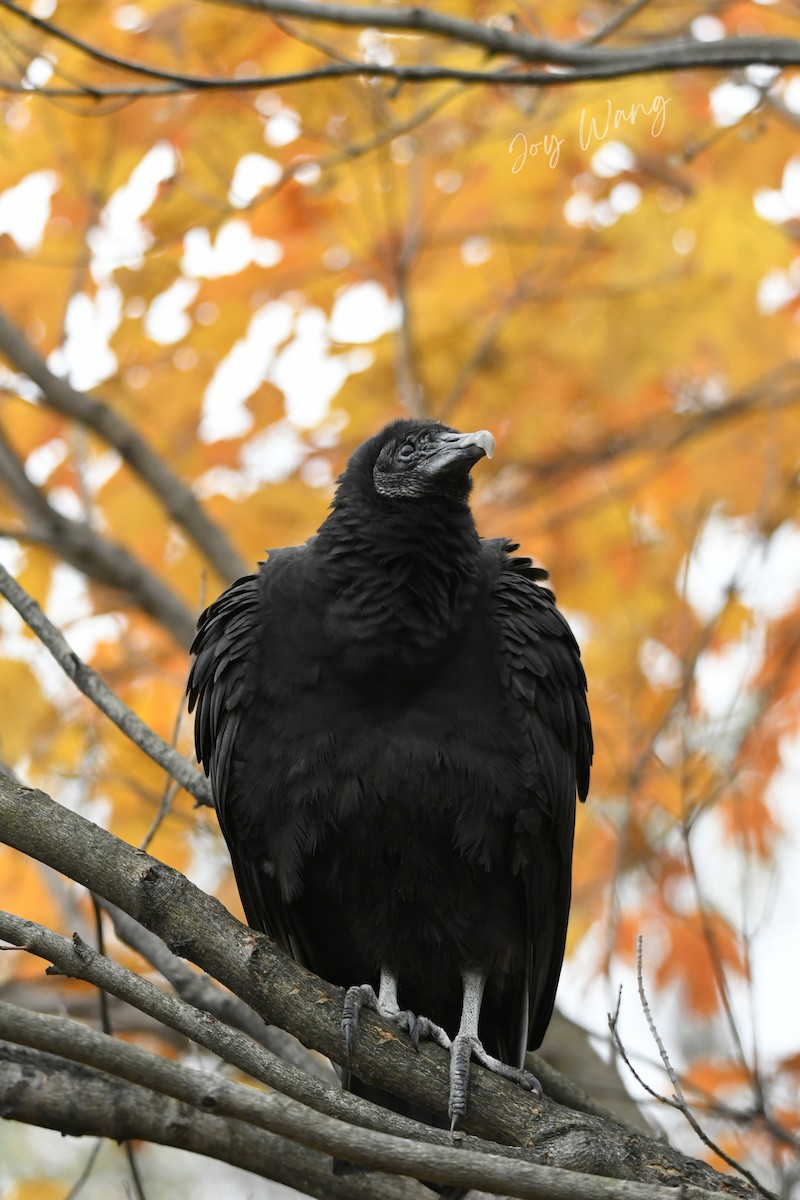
[199, 928]
[44, 1089]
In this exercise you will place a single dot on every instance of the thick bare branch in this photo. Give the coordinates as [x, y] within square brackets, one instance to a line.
[101, 694]
[44, 1089]
[76, 960]
[277, 1114]
[198, 927]
[206, 1092]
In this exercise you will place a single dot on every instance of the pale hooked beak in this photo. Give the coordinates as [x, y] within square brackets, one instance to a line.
[482, 439]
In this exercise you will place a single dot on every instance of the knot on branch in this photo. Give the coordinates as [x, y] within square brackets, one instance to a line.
[161, 899]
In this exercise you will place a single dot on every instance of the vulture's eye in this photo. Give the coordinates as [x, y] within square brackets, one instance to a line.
[406, 451]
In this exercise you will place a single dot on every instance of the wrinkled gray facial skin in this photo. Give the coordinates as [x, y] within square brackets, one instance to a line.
[431, 461]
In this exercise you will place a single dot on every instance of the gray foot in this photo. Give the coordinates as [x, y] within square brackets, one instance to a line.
[465, 1048]
[420, 1029]
[363, 996]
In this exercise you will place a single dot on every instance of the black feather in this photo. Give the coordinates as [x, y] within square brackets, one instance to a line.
[394, 721]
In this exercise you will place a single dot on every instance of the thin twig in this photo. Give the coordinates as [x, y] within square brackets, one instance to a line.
[169, 793]
[88, 1167]
[105, 1016]
[133, 1167]
[680, 1100]
[170, 785]
[613, 1025]
[616, 22]
[108, 1030]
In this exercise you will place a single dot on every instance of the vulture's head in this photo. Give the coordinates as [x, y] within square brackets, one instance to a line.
[412, 460]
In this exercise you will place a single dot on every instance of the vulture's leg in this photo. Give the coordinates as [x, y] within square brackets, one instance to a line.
[386, 1005]
[467, 1045]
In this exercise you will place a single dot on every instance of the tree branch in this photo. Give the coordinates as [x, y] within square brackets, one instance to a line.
[99, 558]
[76, 960]
[43, 1089]
[779, 52]
[201, 992]
[101, 694]
[674, 54]
[666, 55]
[276, 1114]
[679, 1101]
[178, 500]
[561, 63]
[199, 927]
[779, 388]
[271, 1112]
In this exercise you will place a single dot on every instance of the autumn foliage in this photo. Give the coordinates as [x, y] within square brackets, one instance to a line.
[604, 274]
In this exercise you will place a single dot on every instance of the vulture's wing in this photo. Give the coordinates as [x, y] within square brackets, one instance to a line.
[224, 688]
[222, 681]
[545, 687]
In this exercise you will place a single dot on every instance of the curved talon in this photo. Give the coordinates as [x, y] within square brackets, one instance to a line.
[460, 1054]
[466, 1047]
[407, 1021]
[355, 999]
[425, 1030]
[519, 1075]
[529, 1081]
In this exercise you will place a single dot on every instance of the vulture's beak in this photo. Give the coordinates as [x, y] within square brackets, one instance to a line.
[464, 448]
[482, 441]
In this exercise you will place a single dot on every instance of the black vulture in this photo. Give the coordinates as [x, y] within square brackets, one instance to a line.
[393, 717]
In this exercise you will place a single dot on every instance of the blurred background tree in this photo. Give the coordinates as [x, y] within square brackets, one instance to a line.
[235, 240]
